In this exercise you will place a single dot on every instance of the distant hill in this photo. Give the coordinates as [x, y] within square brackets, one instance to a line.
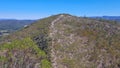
[63, 41]
[113, 18]
[11, 24]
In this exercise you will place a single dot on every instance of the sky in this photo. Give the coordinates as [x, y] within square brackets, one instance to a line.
[36, 9]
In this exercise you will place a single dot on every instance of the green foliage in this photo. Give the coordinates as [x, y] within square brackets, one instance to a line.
[22, 45]
[2, 58]
[15, 52]
[68, 62]
[45, 64]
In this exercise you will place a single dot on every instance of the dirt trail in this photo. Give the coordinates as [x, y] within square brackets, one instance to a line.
[53, 32]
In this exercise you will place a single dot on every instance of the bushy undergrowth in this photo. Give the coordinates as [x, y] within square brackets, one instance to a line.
[18, 52]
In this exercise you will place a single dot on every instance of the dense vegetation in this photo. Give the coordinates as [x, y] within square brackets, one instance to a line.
[22, 54]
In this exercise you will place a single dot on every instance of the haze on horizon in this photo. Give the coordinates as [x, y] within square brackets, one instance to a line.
[35, 9]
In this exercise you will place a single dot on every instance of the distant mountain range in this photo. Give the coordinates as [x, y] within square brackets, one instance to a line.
[16, 24]
[114, 18]
[12, 24]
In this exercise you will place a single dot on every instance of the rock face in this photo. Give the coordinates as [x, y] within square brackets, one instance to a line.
[65, 41]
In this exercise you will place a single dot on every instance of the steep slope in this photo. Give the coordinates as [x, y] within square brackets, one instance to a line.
[27, 48]
[84, 43]
[63, 41]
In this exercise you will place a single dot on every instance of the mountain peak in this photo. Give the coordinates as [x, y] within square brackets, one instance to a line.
[64, 41]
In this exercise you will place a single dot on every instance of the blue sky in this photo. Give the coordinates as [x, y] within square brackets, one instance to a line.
[35, 9]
